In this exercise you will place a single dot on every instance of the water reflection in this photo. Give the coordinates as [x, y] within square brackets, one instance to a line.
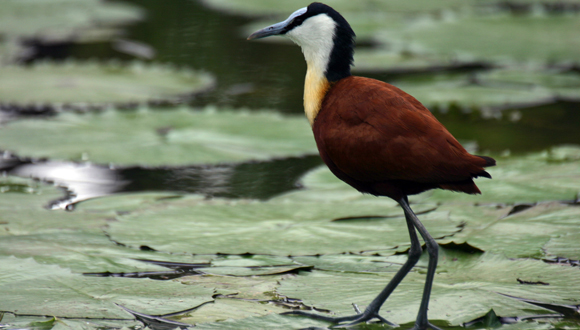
[83, 181]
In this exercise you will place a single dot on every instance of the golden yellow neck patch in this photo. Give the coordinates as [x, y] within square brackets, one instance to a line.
[315, 88]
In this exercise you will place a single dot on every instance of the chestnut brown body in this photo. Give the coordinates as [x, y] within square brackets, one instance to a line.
[384, 142]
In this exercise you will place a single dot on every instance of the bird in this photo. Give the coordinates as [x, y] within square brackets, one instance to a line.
[376, 138]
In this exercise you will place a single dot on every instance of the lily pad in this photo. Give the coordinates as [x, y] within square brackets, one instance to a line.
[273, 228]
[61, 293]
[62, 20]
[498, 88]
[520, 235]
[464, 289]
[564, 246]
[545, 39]
[170, 137]
[84, 83]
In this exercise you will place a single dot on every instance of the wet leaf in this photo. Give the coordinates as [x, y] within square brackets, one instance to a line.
[192, 137]
[524, 234]
[62, 20]
[496, 88]
[565, 245]
[273, 228]
[463, 289]
[83, 83]
[60, 292]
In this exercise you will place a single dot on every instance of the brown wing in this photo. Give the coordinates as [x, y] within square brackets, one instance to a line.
[373, 131]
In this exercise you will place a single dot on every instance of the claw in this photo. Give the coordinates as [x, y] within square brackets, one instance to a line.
[356, 309]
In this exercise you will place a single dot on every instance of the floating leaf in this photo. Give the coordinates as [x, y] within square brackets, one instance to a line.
[62, 20]
[463, 289]
[65, 294]
[524, 234]
[564, 246]
[171, 137]
[98, 83]
[496, 88]
[275, 228]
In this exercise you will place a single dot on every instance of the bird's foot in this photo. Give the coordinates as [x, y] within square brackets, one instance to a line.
[346, 321]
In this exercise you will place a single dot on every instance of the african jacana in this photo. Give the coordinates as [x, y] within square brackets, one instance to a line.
[375, 137]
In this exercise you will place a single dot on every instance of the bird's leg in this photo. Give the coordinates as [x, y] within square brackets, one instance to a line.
[372, 310]
[432, 249]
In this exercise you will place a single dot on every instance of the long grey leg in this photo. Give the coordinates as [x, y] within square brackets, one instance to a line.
[433, 251]
[414, 255]
[372, 310]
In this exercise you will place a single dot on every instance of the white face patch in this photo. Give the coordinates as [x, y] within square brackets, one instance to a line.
[316, 38]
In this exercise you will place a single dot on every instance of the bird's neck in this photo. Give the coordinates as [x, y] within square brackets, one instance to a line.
[328, 49]
[316, 86]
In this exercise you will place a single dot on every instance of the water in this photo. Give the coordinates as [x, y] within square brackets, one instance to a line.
[260, 75]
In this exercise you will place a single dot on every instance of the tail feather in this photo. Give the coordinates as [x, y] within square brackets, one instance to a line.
[467, 187]
[488, 161]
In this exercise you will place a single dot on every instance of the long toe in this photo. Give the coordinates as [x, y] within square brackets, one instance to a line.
[352, 319]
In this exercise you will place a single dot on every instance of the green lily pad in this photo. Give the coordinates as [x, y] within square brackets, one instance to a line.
[69, 239]
[62, 20]
[565, 246]
[464, 289]
[171, 137]
[520, 235]
[273, 228]
[496, 88]
[98, 83]
[65, 294]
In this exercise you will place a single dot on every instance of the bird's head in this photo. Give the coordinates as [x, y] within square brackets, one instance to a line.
[326, 38]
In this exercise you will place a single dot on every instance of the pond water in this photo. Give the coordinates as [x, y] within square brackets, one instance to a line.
[258, 75]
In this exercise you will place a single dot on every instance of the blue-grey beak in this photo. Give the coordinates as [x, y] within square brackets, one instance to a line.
[271, 30]
[278, 28]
